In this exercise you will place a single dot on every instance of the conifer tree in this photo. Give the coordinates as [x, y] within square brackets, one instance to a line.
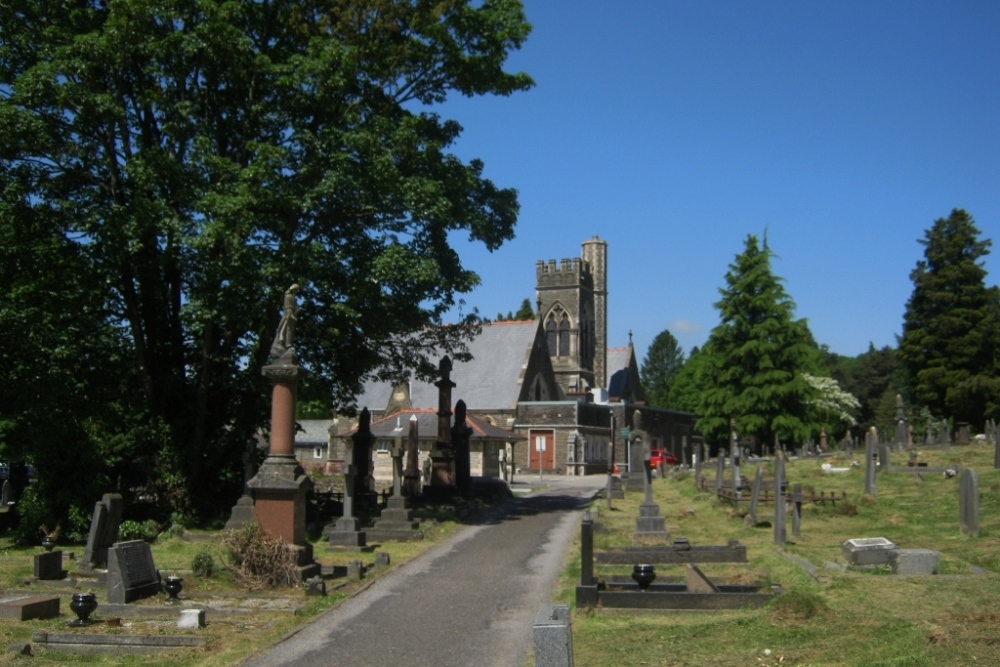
[950, 345]
[660, 367]
[756, 357]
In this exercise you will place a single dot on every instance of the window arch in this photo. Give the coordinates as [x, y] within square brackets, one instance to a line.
[557, 332]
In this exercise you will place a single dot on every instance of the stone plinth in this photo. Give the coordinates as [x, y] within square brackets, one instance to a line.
[395, 523]
[242, 513]
[48, 566]
[346, 533]
[27, 608]
[867, 551]
[650, 526]
[279, 492]
[914, 561]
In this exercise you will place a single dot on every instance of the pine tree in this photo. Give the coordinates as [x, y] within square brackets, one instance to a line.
[660, 367]
[951, 328]
[756, 357]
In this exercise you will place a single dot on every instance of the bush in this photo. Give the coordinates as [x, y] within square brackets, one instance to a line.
[259, 561]
[138, 530]
[203, 565]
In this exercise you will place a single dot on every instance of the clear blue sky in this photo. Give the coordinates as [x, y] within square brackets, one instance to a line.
[673, 129]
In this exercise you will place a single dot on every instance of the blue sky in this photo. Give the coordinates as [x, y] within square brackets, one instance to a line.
[674, 129]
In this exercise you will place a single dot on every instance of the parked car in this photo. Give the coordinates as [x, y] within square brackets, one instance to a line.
[658, 457]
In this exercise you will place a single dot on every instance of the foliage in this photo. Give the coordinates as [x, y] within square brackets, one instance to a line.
[660, 367]
[950, 345]
[173, 167]
[873, 374]
[757, 357]
[525, 312]
[148, 530]
[259, 561]
[831, 401]
[685, 390]
[203, 565]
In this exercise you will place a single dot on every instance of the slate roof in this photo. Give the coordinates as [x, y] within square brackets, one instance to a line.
[490, 380]
[427, 425]
[313, 431]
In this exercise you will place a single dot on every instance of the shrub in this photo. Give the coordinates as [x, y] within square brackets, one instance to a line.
[259, 561]
[138, 530]
[203, 565]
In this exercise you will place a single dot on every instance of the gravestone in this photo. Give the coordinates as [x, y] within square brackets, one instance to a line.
[650, 526]
[48, 566]
[104, 527]
[751, 518]
[908, 562]
[553, 635]
[346, 531]
[131, 573]
[720, 467]
[796, 509]
[968, 502]
[870, 454]
[779, 500]
[27, 608]
[867, 551]
[6, 494]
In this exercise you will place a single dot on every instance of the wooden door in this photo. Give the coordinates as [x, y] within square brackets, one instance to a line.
[541, 453]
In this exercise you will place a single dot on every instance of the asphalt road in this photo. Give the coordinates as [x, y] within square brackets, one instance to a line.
[470, 600]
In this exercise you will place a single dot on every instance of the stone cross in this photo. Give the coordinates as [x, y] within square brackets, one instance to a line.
[397, 466]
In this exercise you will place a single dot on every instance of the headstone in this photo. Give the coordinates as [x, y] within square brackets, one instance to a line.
[345, 532]
[104, 527]
[48, 566]
[907, 562]
[315, 586]
[355, 570]
[131, 573]
[870, 455]
[553, 635]
[27, 608]
[6, 494]
[411, 477]
[720, 467]
[460, 434]
[796, 509]
[968, 502]
[751, 518]
[779, 500]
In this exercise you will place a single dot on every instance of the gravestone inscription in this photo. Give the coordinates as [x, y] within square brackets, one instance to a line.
[131, 573]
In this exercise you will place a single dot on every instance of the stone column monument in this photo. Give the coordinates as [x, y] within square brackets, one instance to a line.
[411, 477]
[442, 478]
[280, 485]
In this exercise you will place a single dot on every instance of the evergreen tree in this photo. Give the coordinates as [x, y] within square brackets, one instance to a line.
[950, 345]
[660, 368]
[758, 357]
[525, 312]
[685, 392]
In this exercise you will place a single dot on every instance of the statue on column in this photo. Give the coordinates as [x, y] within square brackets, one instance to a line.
[281, 348]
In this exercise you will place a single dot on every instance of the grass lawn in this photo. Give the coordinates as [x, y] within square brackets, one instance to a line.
[835, 618]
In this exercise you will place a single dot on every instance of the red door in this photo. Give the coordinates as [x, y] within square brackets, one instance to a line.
[541, 453]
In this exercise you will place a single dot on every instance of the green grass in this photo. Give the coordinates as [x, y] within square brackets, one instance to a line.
[840, 618]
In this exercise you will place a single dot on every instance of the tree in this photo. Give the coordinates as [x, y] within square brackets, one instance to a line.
[758, 356]
[525, 312]
[685, 390]
[950, 346]
[660, 368]
[872, 375]
[205, 155]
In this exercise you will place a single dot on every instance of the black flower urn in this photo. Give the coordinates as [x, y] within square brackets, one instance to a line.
[643, 575]
[173, 585]
[83, 605]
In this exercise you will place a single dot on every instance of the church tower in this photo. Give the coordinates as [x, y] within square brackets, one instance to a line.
[572, 304]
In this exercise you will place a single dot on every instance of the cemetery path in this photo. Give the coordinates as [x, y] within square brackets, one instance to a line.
[470, 600]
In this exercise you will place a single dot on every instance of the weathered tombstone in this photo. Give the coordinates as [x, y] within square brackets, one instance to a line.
[411, 477]
[6, 494]
[242, 512]
[104, 525]
[48, 566]
[968, 502]
[345, 532]
[962, 433]
[870, 455]
[908, 562]
[650, 526]
[460, 434]
[553, 636]
[696, 462]
[30, 607]
[131, 573]
[867, 551]
[796, 509]
[395, 523]
[751, 518]
[779, 501]
[720, 467]
[996, 449]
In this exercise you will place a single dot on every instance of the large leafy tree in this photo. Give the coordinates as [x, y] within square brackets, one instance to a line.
[202, 155]
[660, 367]
[950, 346]
[685, 390]
[757, 357]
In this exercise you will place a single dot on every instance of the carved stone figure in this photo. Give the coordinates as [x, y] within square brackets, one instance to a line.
[285, 335]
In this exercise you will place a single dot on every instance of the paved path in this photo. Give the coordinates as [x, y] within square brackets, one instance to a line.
[470, 600]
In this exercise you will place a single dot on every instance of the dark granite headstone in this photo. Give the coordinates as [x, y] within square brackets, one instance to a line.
[103, 531]
[131, 573]
[48, 566]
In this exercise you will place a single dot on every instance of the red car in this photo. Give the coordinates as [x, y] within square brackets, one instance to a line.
[658, 457]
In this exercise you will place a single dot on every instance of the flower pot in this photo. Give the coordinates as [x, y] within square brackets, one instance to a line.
[643, 575]
[173, 586]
